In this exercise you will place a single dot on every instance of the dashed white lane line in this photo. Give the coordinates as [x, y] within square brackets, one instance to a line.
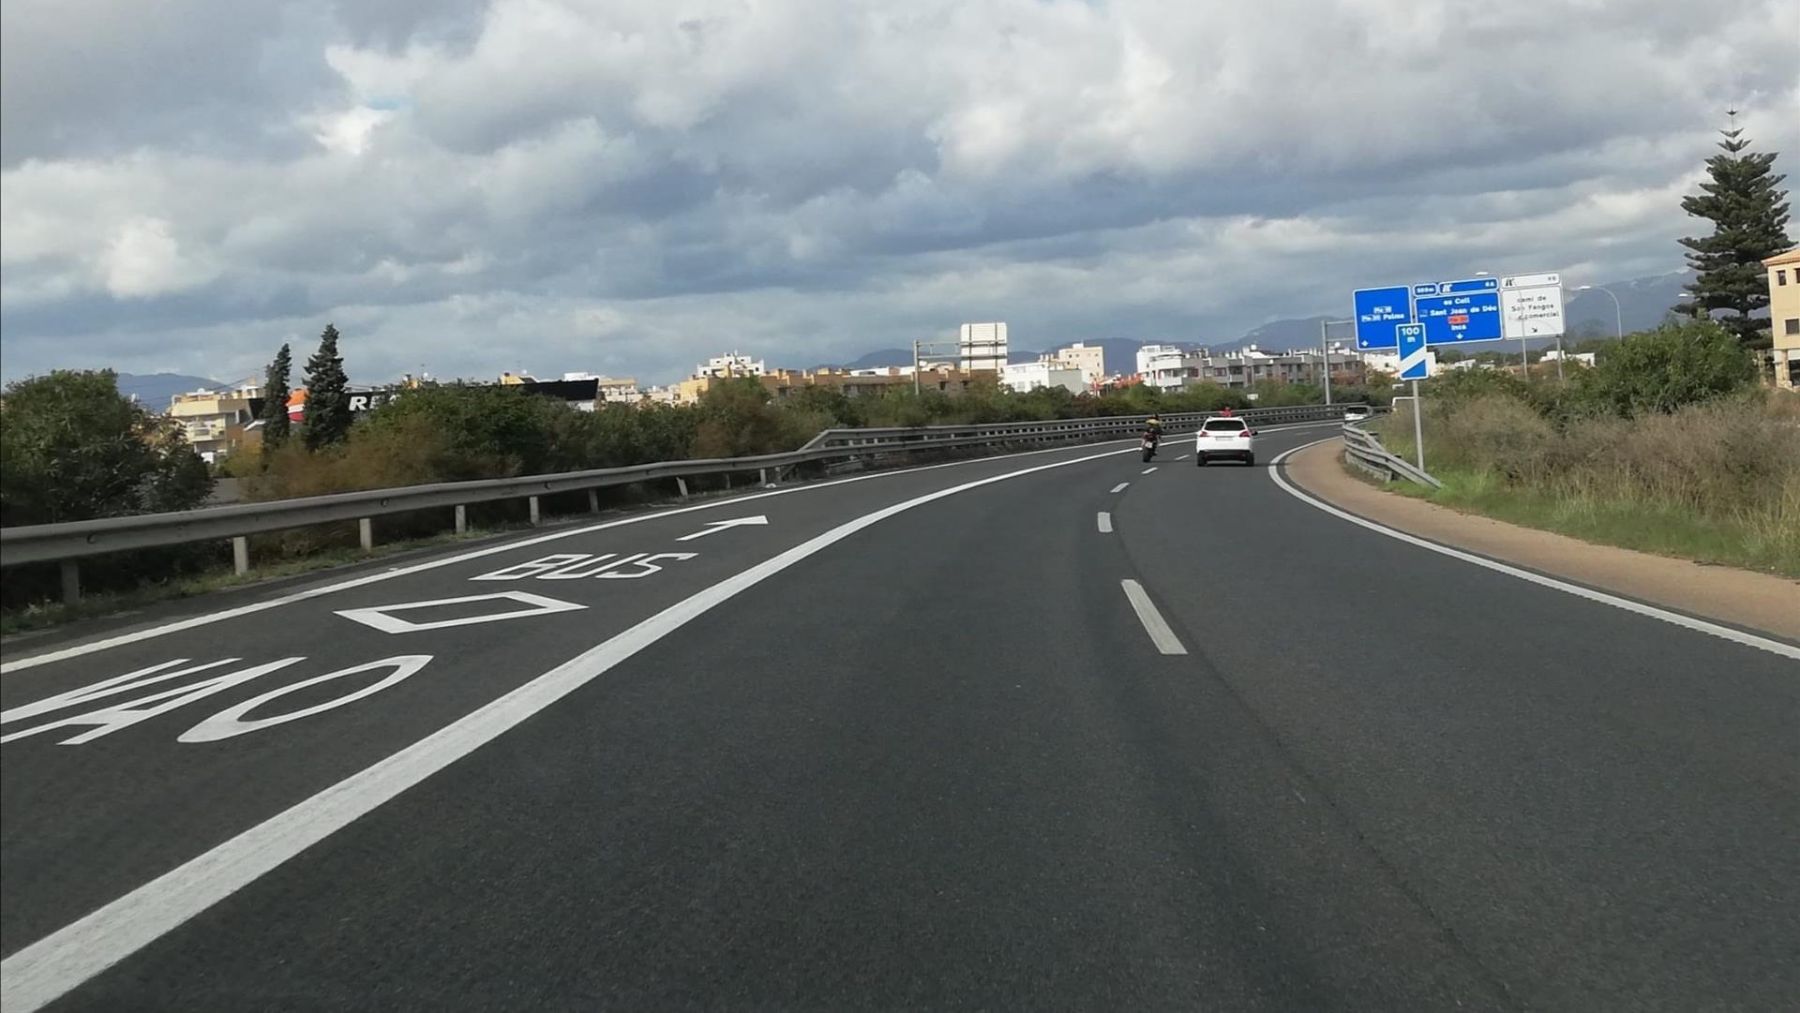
[1183, 457]
[1160, 634]
[1120, 487]
[1105, 522]
[1150, 469]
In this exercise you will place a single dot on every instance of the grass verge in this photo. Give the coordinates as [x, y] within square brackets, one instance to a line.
[1651, 527]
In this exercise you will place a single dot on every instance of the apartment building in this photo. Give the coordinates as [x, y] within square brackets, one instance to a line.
[1090, 359]
[1024, 377]
[1784, 316]
[213, 420]
[1169, 368]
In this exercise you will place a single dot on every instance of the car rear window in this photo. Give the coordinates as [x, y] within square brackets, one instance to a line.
[1224, 425]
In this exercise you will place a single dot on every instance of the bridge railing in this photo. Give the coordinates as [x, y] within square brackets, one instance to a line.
[68, 543]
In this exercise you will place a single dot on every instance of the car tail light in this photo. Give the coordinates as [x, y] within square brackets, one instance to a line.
[1246, 434]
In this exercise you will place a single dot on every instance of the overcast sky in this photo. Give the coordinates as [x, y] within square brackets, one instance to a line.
[629, 186]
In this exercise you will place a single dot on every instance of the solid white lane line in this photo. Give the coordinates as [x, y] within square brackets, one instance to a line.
[134, 636]
[1674, 618]
[1120, 487]
[38, 974]
[1150, 469]
[1160, 634]
[1105, 522]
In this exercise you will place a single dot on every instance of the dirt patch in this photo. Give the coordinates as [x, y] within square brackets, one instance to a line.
[1739, 597]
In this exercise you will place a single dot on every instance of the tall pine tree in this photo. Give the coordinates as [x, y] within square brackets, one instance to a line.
[327, 400]
[275, 399]
[1749, 213]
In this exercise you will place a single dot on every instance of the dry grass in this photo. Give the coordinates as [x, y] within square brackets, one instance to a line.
[1718, 481]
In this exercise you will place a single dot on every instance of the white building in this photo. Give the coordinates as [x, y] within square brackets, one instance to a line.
[734, 364]
[982, 346]
[1029, 376]
[1585, 358]
[1160, 365]
[1091, 360]
[1389, 362]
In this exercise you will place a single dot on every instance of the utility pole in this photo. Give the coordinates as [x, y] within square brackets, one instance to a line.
[1325, 351]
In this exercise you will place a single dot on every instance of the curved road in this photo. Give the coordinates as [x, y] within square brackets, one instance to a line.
[1042, 731]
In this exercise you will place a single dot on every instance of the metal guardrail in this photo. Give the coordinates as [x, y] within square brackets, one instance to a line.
[71, 541]
[1363, 449]
[1063, 429]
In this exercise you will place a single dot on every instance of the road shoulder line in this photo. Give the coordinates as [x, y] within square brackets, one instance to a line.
[1743, 637]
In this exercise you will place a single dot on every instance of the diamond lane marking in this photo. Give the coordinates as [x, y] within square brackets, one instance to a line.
[381, 617]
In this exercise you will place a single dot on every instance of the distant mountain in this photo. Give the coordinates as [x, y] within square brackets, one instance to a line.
[882, 359]
[154, 390]
[1643, 303]
[1280, 336]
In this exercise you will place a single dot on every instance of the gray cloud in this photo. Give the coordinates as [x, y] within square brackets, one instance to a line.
[617, 186]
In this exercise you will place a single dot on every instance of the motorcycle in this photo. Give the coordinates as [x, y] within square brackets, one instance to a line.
[1148, 445]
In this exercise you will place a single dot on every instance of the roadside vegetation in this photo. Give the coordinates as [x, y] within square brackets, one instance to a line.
[1667, 445]
[75, 449]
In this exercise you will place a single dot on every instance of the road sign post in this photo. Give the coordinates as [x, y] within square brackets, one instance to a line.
[1418, 427]
[1415, 365]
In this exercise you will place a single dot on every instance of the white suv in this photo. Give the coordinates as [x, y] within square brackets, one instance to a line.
[1225, 438]
[1356, 412]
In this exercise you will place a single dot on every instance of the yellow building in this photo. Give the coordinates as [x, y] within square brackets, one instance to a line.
[214, 421]
[1784, 316]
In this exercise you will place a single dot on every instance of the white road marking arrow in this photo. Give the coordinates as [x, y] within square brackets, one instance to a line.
[717, 526]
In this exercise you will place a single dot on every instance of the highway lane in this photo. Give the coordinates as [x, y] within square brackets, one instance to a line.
[950, 781]
[819, 795]
[1603, 806]
[73, 816]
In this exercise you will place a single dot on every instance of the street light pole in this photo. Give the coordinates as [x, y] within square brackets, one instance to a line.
[1618, 310]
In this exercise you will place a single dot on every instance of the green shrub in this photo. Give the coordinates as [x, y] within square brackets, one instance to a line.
[1661, 371]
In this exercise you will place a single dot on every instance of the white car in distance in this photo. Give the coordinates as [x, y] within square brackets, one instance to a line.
[1225, 439]
[1356, 413]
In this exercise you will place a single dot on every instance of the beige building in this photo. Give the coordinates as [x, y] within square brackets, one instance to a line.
[214, 420]
[1090, 359]
[1784, 316]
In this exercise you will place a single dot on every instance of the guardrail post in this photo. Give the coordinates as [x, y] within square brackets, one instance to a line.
[462, 519]
[240, 555]
[762, 476]
[681, 483]
[593, 501]
[71, 581]
[366, 529]
[535, 515]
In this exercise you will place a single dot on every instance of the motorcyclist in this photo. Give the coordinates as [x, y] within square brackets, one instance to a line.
[1153, 429]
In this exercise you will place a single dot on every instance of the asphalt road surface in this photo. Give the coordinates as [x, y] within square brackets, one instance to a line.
[1043, 731]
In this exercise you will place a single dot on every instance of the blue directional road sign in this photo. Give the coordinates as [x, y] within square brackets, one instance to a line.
[1415, 359]
[1378, 312]
[1454, 311]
